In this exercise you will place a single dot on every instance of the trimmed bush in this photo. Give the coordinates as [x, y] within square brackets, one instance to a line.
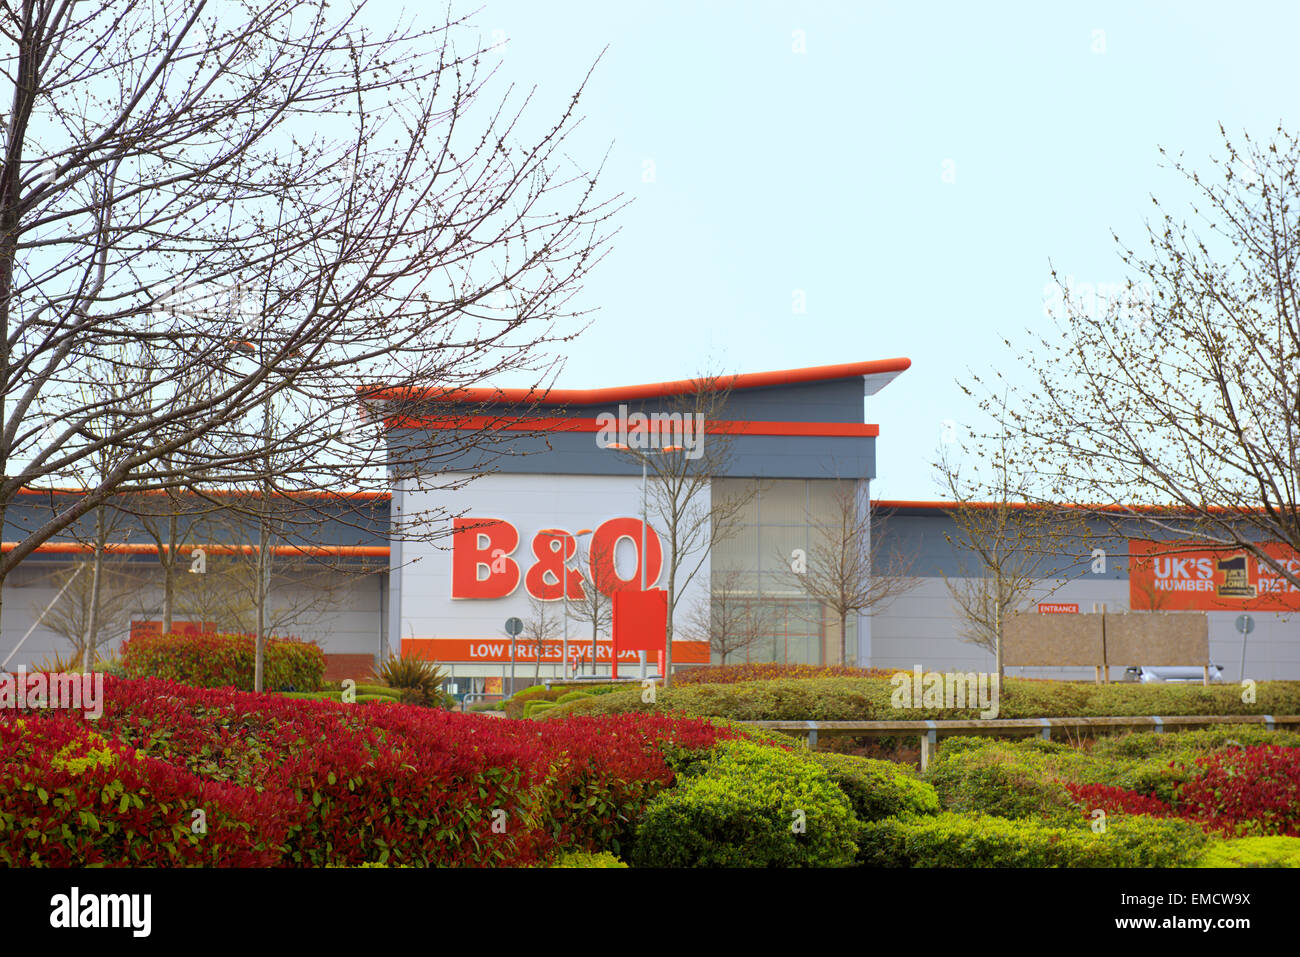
[573, 696]
[854, 699]
[878, 789]
[961, 839]
[225, 661]
[752, 806]
[1003, 781]
[533, 708]
[1252, 852]
[579, 859]
[766, 671]
[516, 705]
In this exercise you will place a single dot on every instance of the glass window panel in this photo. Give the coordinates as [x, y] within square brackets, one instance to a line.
[723, 490]
[784, 502]
[738, 551]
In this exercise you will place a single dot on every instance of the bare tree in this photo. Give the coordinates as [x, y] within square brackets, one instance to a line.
[1180, 399]
[264, 203]
[731, 619]
[595, 607]
[106, 597]
[259, 587]
[168, 519]
[1008, 547]
[679, 503]
[540, 627]
[847, 569]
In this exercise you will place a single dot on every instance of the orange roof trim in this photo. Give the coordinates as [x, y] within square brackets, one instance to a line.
[942, 505]
[653, 390]
[323, 493]
[127, 548]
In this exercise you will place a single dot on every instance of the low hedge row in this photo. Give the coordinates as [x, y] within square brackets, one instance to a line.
[867, 699]
[225, 661]
[766, 671]
[1252, 852]
[966, 839]
[1241, 789]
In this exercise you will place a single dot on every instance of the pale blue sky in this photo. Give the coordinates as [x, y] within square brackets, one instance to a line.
[823, 171]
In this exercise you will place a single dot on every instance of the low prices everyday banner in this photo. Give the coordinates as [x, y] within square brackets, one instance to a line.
[497, 650]
[1175, 576]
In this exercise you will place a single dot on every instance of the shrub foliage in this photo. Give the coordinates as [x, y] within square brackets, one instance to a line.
[225, 661]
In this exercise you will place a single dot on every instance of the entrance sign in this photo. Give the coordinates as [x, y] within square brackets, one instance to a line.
[1058, 608]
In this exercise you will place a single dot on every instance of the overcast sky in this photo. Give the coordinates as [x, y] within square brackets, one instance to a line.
[905, 172]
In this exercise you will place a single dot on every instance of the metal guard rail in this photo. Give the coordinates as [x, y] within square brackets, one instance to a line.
[929, 731]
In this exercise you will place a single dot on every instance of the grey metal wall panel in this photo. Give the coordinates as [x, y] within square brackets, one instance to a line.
[576, 453]
[837, 400]
[325, 522]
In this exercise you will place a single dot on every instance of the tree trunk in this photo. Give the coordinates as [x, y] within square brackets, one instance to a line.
[169, 576]
[997, 635]
[668, 625]
[259, 652]
[96, 584]
[844, 638]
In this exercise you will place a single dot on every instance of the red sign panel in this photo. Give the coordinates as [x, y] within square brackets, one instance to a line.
[1058, 608]
[640, 620]
[1194, 576]
[187, 628]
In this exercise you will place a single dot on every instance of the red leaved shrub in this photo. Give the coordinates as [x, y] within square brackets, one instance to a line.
[72, 798]
[309, 783]
[1245, 791]
[1116, 800]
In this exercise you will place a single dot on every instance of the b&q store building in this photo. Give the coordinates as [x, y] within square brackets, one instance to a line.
[554, 485]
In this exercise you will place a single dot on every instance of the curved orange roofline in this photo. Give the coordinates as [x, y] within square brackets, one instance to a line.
[323, 493]
[944, 505]
[652, 390]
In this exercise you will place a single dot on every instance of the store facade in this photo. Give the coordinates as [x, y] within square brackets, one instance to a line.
[561, 499]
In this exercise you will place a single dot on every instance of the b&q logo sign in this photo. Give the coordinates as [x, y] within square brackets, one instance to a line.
[486, 564]
[1171, 577]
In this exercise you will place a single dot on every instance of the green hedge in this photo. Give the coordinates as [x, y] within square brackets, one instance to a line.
[582, 859]
[1024, 778]
[573, 696]
[751, 806]
[878, 789]
[1252, 852]
[962, 839]
[533, 708]
[216, 661]
[1006, 779]
[867, 699]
